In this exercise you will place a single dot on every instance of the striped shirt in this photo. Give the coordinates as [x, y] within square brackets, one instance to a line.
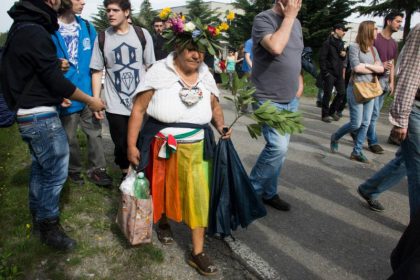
[408, 80]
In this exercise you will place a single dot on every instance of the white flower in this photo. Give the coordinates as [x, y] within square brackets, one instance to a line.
[189, 27]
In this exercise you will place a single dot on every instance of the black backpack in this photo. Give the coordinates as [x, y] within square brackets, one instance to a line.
[7, 114]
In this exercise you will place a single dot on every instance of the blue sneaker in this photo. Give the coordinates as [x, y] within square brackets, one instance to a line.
[333, 144]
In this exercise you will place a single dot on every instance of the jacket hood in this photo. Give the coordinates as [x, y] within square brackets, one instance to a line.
[35, 11]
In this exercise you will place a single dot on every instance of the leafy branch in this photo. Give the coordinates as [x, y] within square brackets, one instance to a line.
[267, 114]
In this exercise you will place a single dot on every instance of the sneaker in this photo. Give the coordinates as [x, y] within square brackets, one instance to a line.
[277, 203]
[333, 144]
[374, 204]
[359, 158]
[340, 114]
[99, 177]
[335, 117]
[203, 264]
[76, 178]
[393, 141]
[326, 119]
[376, 149]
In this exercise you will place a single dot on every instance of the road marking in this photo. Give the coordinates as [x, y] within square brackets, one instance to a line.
[252, 260]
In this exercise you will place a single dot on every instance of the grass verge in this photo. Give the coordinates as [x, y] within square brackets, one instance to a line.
[87, 214]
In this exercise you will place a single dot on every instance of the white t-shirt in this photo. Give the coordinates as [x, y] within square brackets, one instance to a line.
[166, 104]
[125, 67]
[70, 34]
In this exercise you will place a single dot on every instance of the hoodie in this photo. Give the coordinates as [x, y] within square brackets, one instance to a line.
[79, 74]
[31, 54]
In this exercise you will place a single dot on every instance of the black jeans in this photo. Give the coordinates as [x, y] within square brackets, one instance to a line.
[118, 127]
[329, 83]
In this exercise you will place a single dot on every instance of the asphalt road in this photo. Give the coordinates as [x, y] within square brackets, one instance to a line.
[329, 233]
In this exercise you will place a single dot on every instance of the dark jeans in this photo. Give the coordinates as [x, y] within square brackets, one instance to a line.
[118, 127]
[49, 149]
[329, 83]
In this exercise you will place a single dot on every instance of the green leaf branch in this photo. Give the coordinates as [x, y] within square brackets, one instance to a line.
[283, 121]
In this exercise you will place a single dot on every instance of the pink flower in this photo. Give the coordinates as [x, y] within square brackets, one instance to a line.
[177, 25]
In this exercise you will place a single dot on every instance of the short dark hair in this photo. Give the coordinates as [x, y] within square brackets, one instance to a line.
[157, 19]
[123, 4]
[391, 16]
[65, 6]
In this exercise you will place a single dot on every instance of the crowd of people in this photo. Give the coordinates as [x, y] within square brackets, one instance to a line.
[159, 105]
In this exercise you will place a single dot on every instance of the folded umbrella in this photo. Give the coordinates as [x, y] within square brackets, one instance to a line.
[233, 200]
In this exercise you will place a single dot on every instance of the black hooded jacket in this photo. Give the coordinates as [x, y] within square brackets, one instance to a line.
[330, 60]
[32, 53]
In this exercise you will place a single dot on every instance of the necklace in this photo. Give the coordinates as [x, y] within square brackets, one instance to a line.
[190, 95]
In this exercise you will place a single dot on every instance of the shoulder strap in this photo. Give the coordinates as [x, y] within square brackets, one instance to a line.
[87, 25]
[140, 34]
[101, 44]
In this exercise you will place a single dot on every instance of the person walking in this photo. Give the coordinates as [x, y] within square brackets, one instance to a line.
[158, 40]
[34, 85]
[331, 57]
[405, 117]
[387, 49]
[181, 98]
[74, 42]
[248, 56]
[276, 74]
[125, 59]
[365, 63]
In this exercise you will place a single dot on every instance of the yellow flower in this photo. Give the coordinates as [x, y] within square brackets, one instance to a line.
[217, 31]
[183, 18]
[165, 13]
[230, 16]
[223, 26]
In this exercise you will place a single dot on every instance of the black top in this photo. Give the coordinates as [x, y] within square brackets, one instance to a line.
[32, 52]
[159, 43]
[330, 60]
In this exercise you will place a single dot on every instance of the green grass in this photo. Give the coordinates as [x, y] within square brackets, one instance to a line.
[87, 214]
[309, 89]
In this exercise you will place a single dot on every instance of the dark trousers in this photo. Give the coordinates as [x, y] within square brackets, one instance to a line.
[329, 83]
[118, 127]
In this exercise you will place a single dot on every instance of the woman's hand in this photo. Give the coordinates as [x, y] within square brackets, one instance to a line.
[133, 155]
[225, 131]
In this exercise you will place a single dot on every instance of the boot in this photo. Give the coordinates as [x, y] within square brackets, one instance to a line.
[53, 235]
[35, 225]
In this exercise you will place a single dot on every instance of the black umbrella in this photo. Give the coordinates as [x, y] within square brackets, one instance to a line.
[233, 200]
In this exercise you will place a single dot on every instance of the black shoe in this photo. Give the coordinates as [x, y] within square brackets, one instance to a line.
[76, 178]
[319, 104]
[326, 119]
[374, 204]
[376, 149]
[52, 234]
[99, 177]
[277, 203]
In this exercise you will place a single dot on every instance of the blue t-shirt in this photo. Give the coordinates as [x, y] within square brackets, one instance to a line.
[247, 49]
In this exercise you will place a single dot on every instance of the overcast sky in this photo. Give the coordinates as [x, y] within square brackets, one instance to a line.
[91, 8]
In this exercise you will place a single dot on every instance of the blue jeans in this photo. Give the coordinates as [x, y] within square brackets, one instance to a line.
[265, 173]
[49, 149]
[371, 133]
[393, 172]
[360, 115]
[410, 148]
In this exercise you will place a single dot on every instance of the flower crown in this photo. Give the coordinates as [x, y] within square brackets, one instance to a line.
[193, 32]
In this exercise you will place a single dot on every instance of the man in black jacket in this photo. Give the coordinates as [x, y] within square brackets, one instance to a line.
[331, 57]
[34, 85]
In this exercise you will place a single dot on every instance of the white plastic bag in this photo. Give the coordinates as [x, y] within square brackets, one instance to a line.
[127, 186]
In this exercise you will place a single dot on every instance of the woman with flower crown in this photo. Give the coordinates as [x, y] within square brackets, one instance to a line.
[176, 142]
